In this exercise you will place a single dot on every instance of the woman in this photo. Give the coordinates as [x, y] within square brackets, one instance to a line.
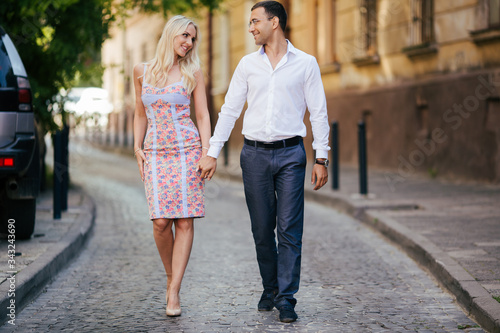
[168, 148]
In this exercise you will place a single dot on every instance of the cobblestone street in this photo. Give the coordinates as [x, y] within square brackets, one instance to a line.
[352, 279]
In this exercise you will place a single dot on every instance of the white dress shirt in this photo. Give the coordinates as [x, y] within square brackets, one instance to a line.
[277, 101]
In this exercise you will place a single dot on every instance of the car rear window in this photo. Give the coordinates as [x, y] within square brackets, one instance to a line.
[10, 63]
[7, 78]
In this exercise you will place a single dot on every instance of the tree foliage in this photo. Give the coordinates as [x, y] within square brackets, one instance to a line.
[59, 40]
[175, 6]
[56, 39]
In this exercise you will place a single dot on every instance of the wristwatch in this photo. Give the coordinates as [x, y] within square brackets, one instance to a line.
[324, 162]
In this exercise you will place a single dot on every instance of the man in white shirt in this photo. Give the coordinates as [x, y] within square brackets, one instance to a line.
[278, 82]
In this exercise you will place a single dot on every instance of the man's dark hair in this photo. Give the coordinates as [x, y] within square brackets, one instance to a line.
[273, 8]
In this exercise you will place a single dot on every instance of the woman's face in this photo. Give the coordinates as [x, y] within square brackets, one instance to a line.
[184, 42]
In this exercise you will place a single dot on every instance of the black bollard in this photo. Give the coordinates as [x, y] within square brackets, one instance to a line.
[226, 154]
[363, 186]
[335, 155]
[65, 175]
[58, 168]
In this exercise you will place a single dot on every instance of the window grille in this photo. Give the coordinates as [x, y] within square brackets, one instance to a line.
[368, 33]
[422, 22]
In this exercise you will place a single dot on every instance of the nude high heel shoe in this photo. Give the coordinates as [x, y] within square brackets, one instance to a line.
[172, 312]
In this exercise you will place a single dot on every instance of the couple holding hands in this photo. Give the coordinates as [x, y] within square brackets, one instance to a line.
[175, 157]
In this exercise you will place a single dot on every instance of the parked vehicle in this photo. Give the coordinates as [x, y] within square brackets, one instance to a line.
[89, 103]
[21, 144]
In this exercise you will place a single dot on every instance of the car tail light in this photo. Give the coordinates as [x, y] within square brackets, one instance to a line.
[24, 94]
[6, 162]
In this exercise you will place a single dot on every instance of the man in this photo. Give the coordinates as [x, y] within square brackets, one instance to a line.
[278, 82]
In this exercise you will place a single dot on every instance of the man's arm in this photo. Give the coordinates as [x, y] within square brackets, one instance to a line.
[230, 112]
[316, 104]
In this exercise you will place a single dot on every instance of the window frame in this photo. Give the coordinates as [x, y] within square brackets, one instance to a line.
[421, 22]
[368, 29]
[488, 8]
[367, 44]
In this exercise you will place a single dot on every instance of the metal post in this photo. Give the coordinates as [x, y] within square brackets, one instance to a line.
[226, 154]
[363, 186]
[335, 155]
[57, 140]
[65, 174]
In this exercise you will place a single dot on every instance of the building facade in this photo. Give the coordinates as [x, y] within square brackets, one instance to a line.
[423, 75]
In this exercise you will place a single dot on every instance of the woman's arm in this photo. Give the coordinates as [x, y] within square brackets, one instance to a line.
[201, 108]
[203, 122]
[140, 119]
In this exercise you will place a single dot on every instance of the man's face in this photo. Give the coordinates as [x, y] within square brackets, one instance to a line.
[260, 26]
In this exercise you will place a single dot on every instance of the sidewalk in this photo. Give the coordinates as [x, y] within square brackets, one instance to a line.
[452, 230]
[38, 260]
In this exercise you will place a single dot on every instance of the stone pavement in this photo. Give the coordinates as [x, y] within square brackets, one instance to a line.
[38, 260]
[451, 229]
[352, 279]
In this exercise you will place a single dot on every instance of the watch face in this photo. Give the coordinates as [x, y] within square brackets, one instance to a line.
[327, 163]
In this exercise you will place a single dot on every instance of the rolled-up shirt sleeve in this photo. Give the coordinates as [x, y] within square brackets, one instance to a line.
[316, 104]
[231, 110]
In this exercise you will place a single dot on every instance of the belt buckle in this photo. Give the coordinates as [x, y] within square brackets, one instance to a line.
[268, 144]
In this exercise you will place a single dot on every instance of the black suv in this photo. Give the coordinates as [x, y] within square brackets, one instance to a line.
[20, 144]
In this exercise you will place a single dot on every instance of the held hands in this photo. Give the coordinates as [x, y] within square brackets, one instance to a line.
[319, 176]
[207, 166]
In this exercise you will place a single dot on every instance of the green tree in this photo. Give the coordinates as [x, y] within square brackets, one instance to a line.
[59, 40]
[56, 39]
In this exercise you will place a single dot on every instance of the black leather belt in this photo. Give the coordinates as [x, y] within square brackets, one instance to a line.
[275, 144]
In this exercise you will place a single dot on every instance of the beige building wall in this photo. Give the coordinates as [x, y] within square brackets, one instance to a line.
[132, 41]
[431, 105]
[402, 89]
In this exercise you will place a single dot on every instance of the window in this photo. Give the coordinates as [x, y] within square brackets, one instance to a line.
[494, 13]
[366, 40]
[422, 22]
[487, 22]
[368, 31]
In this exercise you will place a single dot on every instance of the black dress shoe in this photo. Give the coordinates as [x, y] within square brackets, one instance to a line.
[266, 302]
[287, 314]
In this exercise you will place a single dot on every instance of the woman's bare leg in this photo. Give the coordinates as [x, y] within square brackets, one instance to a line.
[184, 233]
[164, 239]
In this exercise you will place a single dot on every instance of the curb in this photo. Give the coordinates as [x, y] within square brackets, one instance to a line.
[470, 295]
[473, 298]
[29, 283]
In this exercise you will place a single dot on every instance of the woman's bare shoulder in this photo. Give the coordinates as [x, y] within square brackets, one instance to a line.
[139, 69]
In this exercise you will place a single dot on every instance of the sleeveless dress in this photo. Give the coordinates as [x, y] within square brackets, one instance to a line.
[172, 146]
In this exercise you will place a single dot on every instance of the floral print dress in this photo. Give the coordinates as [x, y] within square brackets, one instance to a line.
[174, 188]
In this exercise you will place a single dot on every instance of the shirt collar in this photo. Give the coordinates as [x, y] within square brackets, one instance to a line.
[289, 48]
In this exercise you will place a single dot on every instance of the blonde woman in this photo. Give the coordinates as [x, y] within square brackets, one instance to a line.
[169, 147]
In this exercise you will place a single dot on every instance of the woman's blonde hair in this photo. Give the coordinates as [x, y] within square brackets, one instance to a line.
[158, 68]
